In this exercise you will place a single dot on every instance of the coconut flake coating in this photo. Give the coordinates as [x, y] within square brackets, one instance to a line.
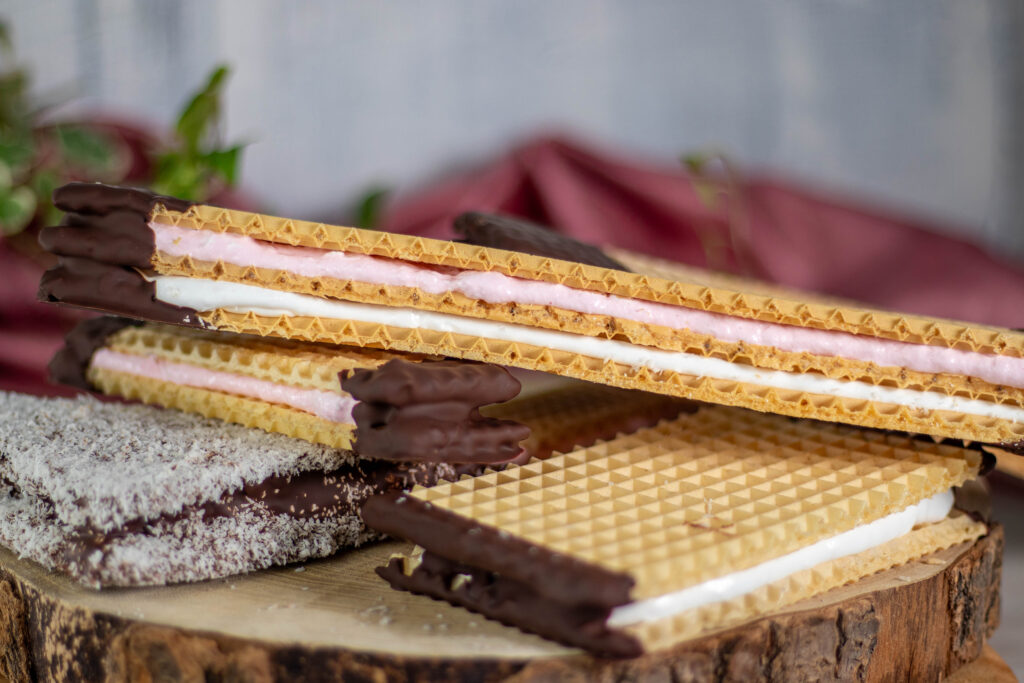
[102, 464]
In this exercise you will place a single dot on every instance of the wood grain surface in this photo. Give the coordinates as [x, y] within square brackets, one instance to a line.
[335, 618]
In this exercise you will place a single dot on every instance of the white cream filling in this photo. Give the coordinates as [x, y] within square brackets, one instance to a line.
[739, 583]
[207, 295]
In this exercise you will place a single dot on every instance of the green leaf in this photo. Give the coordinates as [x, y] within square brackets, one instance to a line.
[179, 176]
[17, 207]
[14, 109]
[6, 44]
[224, 162]
[85, 148]
[202, 111]
[16, 149]
[370, 207]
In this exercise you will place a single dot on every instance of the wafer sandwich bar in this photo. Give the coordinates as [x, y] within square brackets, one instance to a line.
[698, 524]
[551, 305]
[302, 390]
[388, 406]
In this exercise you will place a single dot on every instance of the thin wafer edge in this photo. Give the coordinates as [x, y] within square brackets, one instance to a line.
[792, 403]
[269, 417]
[676, 289]
[282, 362]
[657, 635]
[915, 545]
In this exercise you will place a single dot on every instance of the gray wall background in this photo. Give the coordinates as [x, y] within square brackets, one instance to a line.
[915, 104]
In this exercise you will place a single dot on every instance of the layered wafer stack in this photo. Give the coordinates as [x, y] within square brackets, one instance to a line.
[708, 521]
[517, 295]
[388, 345]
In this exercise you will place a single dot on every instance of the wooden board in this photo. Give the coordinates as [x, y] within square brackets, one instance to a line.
[331, 618]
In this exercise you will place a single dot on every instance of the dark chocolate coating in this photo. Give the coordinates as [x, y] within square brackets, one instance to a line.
[106, 224]
[68, 365]
[430, 411]
[516, 604]
[1015, 447]
[110, 288]
[309, 495]
[515, 234]
[557, 577]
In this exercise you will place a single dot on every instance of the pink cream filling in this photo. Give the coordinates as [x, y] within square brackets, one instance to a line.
[499, 288]
[324, 404]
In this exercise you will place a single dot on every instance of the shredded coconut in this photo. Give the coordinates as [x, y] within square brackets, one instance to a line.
[190, 549]
[102, 464]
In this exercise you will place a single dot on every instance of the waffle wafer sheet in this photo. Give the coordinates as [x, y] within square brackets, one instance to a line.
[299, 389]
[551, 304]
[674, 531]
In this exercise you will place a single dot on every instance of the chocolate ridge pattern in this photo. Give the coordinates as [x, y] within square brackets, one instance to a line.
[431, 411]
[113, 289]
[106, 224]
[558, 577]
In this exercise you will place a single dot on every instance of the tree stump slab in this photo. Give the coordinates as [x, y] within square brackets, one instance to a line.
[335, 618]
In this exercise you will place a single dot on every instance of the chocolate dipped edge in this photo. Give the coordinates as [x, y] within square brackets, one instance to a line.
[429, 411]
[513, 603]
[514, 234]
[111, 289]
[1014, 447]
[69, 365]
[105, 223]
[559, 577]
[306, 495]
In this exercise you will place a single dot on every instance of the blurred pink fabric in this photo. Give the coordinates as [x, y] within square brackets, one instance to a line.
[763, 226]
[786, 233]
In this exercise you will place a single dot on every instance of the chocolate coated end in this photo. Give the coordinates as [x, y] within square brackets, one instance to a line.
[69, 365]
[429, 411]
[514, 234]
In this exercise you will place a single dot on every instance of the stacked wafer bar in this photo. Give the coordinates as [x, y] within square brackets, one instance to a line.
[552, 305]
[704, 522]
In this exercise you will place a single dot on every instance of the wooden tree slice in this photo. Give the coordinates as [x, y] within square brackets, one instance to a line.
[336, 618]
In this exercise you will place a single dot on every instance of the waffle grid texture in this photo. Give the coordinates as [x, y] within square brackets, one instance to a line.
[653, 281]
[784, 402]
[706, 494]
[309, 366]
[248, 412]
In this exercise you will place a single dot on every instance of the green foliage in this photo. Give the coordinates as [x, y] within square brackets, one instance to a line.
[196, 166]
[370, 207]
[36, 157]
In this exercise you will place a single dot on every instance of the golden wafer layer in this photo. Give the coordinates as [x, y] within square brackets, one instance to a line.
[654, 281]
[310, 366]
[785, 402]
[270, 417]
[707, 494]
[558, 419]
[581, 414]
[808, 583]
[604, 326]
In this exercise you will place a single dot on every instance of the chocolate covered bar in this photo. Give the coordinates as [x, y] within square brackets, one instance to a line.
[385, 405]
[389, 406]
[130, 495]
[705, 522]
[551, 305]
